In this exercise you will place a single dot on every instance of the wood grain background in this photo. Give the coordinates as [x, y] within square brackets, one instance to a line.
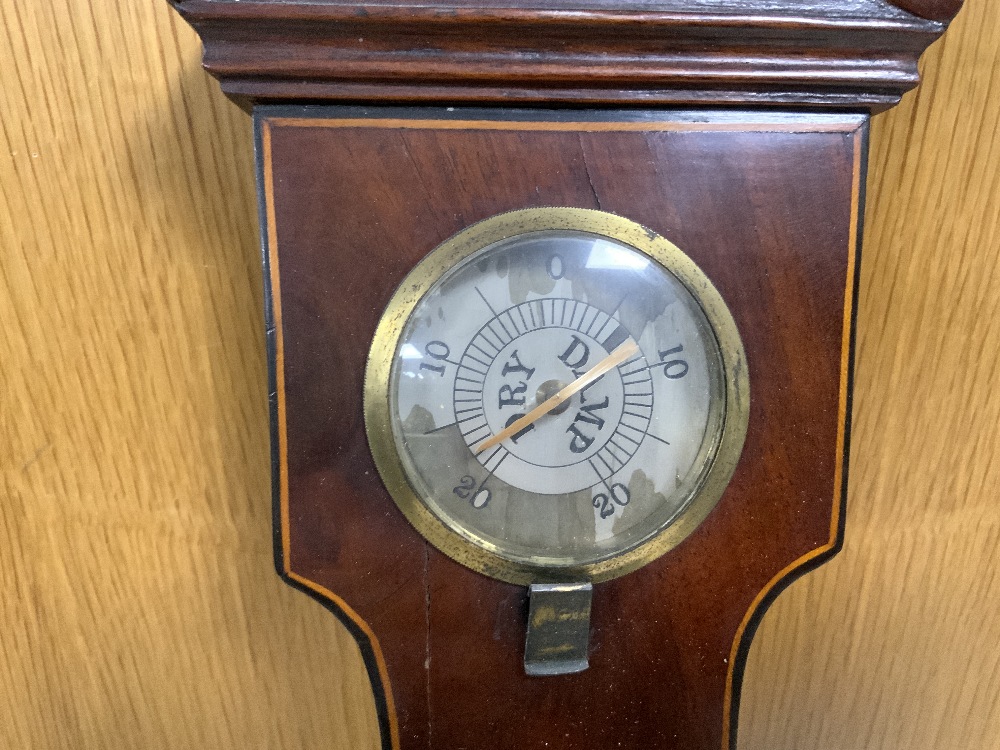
[138, 603]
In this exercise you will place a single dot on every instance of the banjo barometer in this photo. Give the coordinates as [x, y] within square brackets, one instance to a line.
[560, 306]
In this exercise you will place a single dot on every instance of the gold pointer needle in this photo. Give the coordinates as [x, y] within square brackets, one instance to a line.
[607, 364]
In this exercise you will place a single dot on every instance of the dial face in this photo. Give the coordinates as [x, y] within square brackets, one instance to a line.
[556, 398]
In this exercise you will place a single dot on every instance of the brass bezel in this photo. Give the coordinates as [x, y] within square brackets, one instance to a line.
[418, 282]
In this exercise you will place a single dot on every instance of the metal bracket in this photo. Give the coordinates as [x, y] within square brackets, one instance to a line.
[558, 628]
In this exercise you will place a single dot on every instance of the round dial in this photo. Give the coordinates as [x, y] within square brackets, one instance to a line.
[556, 394]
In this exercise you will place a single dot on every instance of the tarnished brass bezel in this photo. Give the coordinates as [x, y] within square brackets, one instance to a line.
[487, 558]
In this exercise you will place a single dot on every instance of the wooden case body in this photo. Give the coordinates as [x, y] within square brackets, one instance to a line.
[766, 205]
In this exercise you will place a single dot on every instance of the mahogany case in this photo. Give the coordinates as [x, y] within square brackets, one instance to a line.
[767, 206]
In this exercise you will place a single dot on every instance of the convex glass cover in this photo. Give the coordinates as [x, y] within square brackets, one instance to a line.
[556, 394]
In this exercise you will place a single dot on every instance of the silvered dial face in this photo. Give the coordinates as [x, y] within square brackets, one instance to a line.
[556, 394]
[528, 318]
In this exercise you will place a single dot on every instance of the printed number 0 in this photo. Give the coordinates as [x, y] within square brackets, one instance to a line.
[436, 350]
[675, 369]
[619, 494]
[465, 490]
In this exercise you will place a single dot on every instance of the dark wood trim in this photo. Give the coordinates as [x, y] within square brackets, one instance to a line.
[815, 57]
[936, 10]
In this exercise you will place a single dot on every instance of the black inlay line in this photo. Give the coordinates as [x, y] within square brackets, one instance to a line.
[657, 438]
[466, 411]
[531, 313]
[597, 314]
[467, 400]
[541, 311]
[469, 380]
[469, 390]
[436, 429]
[479, 413]
[452, 362]
[636, 395]
[513, 323]
[483, 298]
[562, 315]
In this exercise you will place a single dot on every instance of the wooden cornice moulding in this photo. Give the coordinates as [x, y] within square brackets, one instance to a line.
[938, 10]
[853, 54]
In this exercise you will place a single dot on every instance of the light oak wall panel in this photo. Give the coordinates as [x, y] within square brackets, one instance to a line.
[139, 604]
[894, 644]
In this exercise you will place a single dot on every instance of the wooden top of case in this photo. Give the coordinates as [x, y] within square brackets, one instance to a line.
[848, 55]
